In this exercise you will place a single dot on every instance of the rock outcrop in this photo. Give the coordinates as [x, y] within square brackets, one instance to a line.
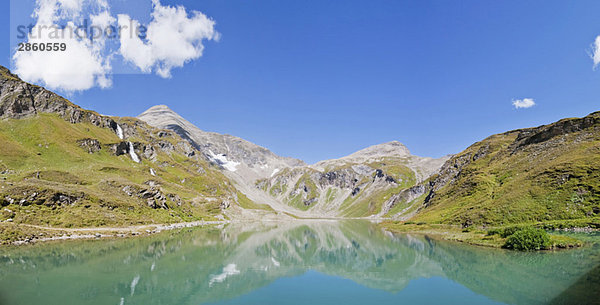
[19, 99]
[90, 145]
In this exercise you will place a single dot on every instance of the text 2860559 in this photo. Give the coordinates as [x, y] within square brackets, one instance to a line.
[42, 47]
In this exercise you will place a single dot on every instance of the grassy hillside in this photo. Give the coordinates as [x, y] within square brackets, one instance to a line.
[531, 175]
[48, 178]
[64, 166]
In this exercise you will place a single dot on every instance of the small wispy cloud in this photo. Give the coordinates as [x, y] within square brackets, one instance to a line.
[523, 103]
[595, 52]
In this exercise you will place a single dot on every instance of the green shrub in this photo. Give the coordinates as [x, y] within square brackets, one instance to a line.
[528, 239]
[506, 232]
[491, 232]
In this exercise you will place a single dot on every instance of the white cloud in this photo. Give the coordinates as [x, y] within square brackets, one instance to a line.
[71, 6]
[173, 38]
[102, 20]
[133, 48]
[49, 11]
[523, 103]
[595, 54]
[81, 66]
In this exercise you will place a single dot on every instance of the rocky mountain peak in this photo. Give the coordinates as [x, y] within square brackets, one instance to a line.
[371, 153]
[160, 107]
[164, 109]
[232, 153]
[162, 115]
[389, 149]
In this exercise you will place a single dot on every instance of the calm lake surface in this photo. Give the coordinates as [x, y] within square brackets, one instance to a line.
[320, 262]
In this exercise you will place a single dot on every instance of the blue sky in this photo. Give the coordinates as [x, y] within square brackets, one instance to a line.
[321, 79]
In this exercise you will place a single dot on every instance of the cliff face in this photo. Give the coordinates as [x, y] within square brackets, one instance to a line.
[19, 99]
[549, 172]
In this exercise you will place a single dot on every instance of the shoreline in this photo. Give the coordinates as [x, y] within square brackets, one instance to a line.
[39, 234]
[481, 238]
[48, 234]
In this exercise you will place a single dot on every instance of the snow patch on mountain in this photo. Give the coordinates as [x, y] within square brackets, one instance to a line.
[275, 171]
[222, 160]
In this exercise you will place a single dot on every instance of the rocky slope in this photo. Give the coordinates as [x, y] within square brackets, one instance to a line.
[422, 167]
[231, 153]
[241, 161]
[551, 172]
[358, 185]
[61, 165]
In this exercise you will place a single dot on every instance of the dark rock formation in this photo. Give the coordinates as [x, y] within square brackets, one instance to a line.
[153, 196]
[121, 148]
[546, 132]
[91, 145]
[19, 99]
[25, 196]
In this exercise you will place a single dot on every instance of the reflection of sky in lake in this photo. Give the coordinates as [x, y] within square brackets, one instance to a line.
[317, 288]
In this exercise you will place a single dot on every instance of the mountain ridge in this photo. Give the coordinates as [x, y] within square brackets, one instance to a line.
[58, 155]
[256, 170]
[212, 143]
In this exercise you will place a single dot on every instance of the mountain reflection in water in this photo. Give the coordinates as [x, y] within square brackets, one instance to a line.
[316, 262]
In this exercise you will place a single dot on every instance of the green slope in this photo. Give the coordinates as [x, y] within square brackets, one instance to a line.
[63, 166]
[547, 173]
[43, 161]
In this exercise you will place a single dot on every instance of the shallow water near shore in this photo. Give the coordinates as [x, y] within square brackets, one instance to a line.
[299, 262]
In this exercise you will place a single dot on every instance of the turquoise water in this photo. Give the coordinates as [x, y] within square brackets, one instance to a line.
[351, 262]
